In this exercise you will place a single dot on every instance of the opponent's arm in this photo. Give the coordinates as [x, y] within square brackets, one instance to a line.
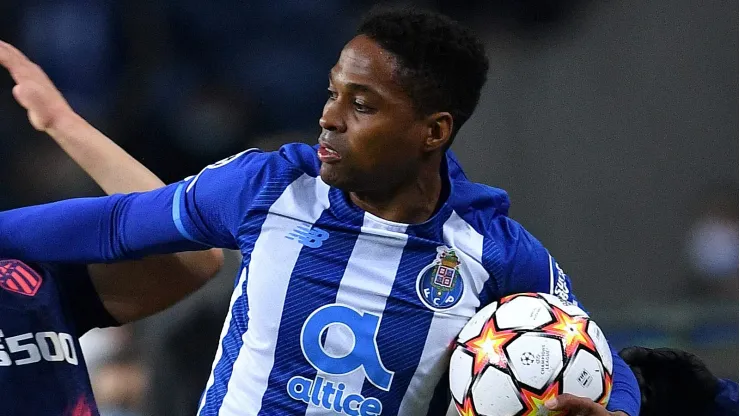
[202, 211]
[526, 266]
[129, 290]
[109, 165]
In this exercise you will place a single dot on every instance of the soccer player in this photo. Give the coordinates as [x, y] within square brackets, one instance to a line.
[45, 308]
[363, 256]
[676, 382]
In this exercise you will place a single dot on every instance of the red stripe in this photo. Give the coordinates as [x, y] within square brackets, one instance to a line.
[30, 276]
[12, 285]
[17, 278]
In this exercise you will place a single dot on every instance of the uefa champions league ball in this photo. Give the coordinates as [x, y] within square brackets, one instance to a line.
[515, 354]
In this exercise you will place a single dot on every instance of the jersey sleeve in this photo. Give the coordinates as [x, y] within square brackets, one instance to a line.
[201, 211]
[80, 299]
[519, 263]
[210, 206]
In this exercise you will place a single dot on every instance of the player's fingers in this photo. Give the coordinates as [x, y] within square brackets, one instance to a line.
[9, 55]
[27, 95]
[15, 61]
[6, 57]
[574, 405]
[21, 94]
[29, 98]
[10, 61]
[15, 52]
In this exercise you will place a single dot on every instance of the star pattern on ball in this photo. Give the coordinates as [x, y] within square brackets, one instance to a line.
[467, 407]
[509, 298]
[488, 347]
[572, 329]
[534, 404]
[608, 380]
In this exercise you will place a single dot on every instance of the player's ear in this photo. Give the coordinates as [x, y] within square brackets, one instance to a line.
[439, 131]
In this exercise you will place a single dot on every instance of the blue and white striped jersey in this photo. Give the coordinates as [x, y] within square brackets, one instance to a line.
[335, 311]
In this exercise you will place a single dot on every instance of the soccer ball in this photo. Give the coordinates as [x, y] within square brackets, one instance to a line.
[515, 354]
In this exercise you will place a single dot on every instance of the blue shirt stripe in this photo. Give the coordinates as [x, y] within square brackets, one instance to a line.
[403, 315]
[314, 283]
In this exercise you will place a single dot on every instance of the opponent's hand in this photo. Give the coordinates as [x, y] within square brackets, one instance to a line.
[34, 90]
[572, 405]
[671, 381]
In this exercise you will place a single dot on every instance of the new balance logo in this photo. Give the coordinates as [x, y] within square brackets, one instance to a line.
[309, 237]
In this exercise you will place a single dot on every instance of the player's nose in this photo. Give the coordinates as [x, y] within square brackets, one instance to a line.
[331, 119]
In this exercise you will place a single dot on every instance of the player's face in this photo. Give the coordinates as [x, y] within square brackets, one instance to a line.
[372, 139]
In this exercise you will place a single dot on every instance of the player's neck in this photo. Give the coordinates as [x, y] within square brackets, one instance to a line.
[411, 202]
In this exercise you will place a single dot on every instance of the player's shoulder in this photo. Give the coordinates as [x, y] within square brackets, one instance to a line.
[301, 156]
[479, 204]
[478, 201]
[486, 209]
[289, 157]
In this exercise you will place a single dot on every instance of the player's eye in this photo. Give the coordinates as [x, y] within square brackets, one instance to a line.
[361, 107]
[331, 94]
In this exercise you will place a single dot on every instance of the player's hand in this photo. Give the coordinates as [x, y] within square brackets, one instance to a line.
[671, 381]
[34, 90]
[578, 406]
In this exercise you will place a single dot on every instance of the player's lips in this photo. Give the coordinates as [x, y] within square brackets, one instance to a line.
[327, 154]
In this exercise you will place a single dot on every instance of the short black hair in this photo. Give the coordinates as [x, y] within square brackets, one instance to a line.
[442, 64]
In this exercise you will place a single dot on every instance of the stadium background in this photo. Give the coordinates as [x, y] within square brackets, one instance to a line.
[612, 124]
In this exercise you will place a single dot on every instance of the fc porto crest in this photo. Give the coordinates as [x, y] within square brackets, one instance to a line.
[439, 285]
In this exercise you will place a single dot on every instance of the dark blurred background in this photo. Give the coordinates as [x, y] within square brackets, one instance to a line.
[612, 124]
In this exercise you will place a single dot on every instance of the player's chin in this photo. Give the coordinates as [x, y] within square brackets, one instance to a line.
[331, 174]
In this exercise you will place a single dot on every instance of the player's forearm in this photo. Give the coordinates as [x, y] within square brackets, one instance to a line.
[62, 231]
[136, 289]
[94, 230]
[106, 163]
[625, 395]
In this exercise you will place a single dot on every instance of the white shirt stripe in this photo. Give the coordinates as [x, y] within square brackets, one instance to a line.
[267, 282]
